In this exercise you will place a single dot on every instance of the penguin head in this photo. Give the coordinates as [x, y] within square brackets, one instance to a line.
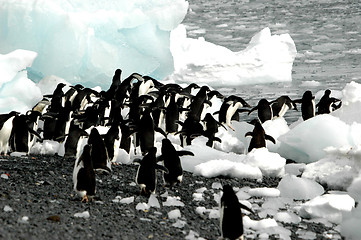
[307, 95]
[327, 92]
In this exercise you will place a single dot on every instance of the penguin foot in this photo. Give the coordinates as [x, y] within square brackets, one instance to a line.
[85, 199]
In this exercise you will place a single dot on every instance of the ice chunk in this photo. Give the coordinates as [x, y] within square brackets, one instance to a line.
[174, 214]
[329, 206]
[337, 169]
[264, 192]
[153, 201]
[306, 142]
[223, 167]
[84, 214]
[142, 206]
[217, 185]
[198, 197]
[271, 164]
[18, 93]
[287, 217]
[267, 58]
[258, 225]
[8, 209]
[299, 188]
[127, 200]
[173, 201]
[179, 223]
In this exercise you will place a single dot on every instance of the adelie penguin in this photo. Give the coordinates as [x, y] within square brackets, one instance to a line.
[170, 157]
[146, 176]
[308, 107]
[230, 106]
[211, 129]
[327, 104]
[231, 219]
[281, 105]
[6, 125]
[264, 110]
[84, 175]
[259, 136]
[99, 156]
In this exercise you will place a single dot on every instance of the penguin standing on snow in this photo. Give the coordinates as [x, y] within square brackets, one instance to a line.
[99, 156]
[308, 107]
[231, 222]
[264, 110]
[170, 157]
[211, 129]
[281, 105]
[259, 137]
[84, 175]
[146, 176]
[229, 107]
[327, 103]
[6, 125]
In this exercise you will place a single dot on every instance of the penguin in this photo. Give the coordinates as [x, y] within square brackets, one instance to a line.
[57, 98]
[62, 124]
[172, 114]
[170, 157]
[99, 156]
[145, 130]
[84, 175]
[264, 110]
[112, 141]
[191, 128]
[116, 81]
[146, 86]
[146, 176]
[6, 125]
[41, 106]
[281, 105]
[259, 136]
[20, 139]
[327, 104]
[72, 140]
[231, 222]
[72, 92]
[229, 107]
[211, 129]
[197, 103]
[308, 107]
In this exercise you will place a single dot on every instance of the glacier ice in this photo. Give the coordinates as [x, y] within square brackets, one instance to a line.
[84, 42]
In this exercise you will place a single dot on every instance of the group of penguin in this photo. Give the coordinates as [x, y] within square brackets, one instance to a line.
[133, 110]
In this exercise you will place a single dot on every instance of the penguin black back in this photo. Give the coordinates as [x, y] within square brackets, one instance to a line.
[99, 156]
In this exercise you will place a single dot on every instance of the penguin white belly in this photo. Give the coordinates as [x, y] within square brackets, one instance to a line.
[5, 135]
[116, 150]
[77, 167]
[283, 110]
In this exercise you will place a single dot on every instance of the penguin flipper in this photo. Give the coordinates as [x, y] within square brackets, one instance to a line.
[268, 137]
[253, 109]
[216, 112]
[217, 139]
[161, 131]
[137, 160]
[184, 152]
[246, 208]
[160, 158]
[162, 168]
[249, 134]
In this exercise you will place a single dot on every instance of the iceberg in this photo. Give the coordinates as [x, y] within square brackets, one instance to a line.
[84, 42]
[267, 58]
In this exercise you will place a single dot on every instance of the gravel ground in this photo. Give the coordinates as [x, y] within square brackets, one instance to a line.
[39, 192]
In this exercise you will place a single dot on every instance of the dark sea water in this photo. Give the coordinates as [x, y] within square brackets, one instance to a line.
[327, 35]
